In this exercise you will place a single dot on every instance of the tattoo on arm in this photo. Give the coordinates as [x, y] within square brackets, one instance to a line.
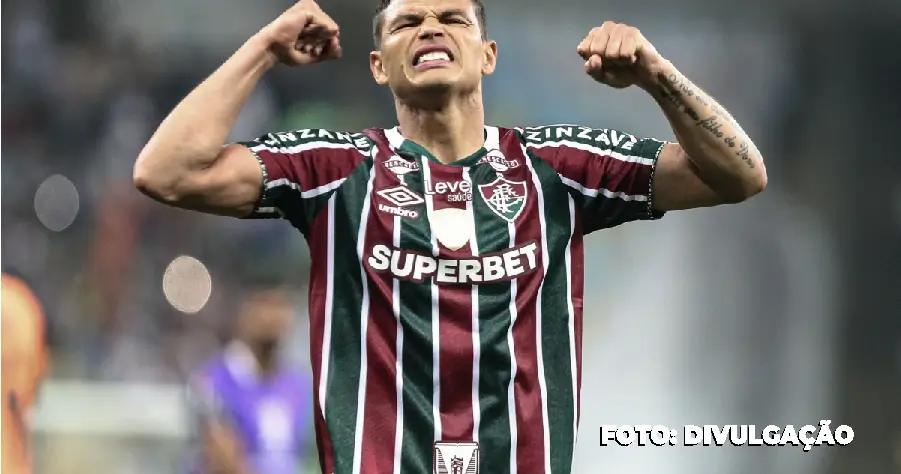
[675, 89]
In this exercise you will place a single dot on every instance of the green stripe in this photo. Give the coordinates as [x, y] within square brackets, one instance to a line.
[346, 337]
[416, 321]
[555, 341]
[492, 235]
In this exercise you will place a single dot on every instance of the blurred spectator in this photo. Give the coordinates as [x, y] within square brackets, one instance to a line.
[253, 410]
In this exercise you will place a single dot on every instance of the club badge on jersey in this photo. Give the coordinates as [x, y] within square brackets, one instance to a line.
[505, 197]
[456, 458]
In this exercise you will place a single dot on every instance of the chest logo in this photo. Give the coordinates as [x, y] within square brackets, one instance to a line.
[498, 161]
[400, 166]
[504, 197]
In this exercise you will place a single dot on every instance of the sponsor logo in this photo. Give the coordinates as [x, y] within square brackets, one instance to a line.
[399, 211]
[489, 268]
[607, 138]
[505, 198]
[456, 458]
[399, 198]
[400, 166]
[453, 191]
[498, 161]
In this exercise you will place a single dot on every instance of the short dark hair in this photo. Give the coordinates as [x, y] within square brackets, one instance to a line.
[377, 22]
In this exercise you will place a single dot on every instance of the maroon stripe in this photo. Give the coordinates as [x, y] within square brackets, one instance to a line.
[530, 446]
[318, 241]
[311, 168]
[577, 279]
[380, 405]
[594, 171]
[456, 353]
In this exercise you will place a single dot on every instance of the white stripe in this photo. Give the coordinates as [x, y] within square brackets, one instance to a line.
[572, 319]
[306, 147]
[595, 150]
[492, 138]
[395, 139]
[364, 323]
[542, 383]
[399, 362]
[476, 339]
[511, 396]
[436, 339]
[604, 192]
[329, 295]
[310, 193]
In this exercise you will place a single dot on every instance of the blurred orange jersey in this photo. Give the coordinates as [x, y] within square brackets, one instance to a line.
[23, 363]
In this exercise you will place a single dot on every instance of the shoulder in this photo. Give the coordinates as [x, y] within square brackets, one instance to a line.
[573, 134]
[312, 139]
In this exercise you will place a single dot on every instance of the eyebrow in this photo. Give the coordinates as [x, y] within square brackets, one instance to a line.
[415, 17]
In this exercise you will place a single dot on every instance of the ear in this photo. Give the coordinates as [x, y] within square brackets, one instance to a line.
[490, 61]
[378, 68]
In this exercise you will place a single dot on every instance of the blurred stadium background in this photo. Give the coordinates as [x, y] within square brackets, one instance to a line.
[786, 309]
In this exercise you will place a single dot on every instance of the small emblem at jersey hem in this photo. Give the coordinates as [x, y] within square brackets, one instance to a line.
[498, 161]
[400, 166]
[452, 457]
[504, 197]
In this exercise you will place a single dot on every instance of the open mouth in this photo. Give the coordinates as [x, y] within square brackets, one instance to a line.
[432, 56]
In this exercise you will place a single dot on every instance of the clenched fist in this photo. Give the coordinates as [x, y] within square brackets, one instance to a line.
[303, 35]
[619, 56]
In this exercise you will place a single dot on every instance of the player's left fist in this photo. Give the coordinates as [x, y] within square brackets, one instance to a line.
[619, 56]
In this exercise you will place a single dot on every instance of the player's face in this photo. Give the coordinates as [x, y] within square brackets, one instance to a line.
[432, 46]
[266, 317]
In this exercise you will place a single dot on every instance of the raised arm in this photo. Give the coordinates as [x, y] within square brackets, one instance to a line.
[714, 161]
[187, 163]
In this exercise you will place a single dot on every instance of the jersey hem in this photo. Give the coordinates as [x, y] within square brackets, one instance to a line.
[264, 190]
[653, 214]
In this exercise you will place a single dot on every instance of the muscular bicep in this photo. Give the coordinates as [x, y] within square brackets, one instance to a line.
[677, 183]
[230, 187]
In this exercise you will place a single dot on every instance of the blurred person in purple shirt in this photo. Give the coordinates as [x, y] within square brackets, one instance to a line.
[252, 410]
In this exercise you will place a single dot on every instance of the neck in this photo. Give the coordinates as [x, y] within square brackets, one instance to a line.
[450, 132]
[266, 356]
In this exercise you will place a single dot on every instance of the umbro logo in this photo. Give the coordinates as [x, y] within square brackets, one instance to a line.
[400, 196]
[399, 199]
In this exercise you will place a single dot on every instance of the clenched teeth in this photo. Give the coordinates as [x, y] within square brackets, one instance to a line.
[433, 56]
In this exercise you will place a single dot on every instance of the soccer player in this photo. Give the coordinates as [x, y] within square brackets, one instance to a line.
[252, 409]
[23, 365]
[446, 281]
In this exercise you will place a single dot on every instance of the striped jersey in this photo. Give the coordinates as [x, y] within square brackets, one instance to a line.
[446, 299]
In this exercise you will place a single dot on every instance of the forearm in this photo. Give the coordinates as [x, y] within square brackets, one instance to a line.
[192, 135]
[726, 158]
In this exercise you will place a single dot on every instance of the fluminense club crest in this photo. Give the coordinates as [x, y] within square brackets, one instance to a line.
[456, 458]
[504, 197]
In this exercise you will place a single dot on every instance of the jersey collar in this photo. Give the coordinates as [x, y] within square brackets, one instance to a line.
[400, 144]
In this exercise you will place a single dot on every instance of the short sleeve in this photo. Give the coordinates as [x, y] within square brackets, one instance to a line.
[609, 173]
[301, 170]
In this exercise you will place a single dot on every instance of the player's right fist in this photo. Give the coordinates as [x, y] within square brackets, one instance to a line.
[303, 35]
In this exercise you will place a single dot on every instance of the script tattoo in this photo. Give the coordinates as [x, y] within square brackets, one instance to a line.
[711, 125]
[744, 153]
[675, 90]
